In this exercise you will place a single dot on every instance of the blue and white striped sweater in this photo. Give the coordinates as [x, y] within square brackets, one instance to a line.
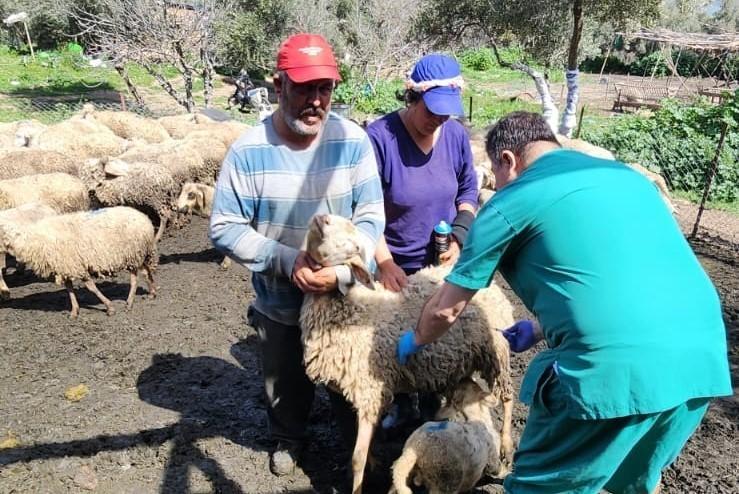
[266, 194]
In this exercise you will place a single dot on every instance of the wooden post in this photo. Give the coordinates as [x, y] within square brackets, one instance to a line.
[579, 122]
[470, 110]
[28, 37]
[709, 179]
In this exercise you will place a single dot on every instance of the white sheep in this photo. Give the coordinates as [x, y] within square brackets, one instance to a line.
[127, 125]
[10, 137]
[198, 199]
[20, 162]
[22, 215]
[61, 191]
[78, 137]
[188, 160]
[148, 187]
[85, 245]
[451, 455]
[178, 126]
[350, 342]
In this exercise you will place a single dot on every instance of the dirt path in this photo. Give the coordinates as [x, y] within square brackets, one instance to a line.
[175, 402]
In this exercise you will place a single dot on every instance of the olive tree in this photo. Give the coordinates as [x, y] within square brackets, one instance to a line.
[541, 27]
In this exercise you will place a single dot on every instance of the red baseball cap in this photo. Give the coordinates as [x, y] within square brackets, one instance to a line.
[307, 57]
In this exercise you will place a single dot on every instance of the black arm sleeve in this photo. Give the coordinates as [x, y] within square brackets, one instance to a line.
[461, 225]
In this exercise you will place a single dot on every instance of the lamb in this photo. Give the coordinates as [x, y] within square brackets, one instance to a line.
[128, 125]
[198, 199]
[63, 192]
[145, 186]
[451, 456]
[22, 215]
[350, 342]
[84, 245]
[19, 162]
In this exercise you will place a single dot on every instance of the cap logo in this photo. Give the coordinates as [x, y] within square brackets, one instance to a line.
[311, 51]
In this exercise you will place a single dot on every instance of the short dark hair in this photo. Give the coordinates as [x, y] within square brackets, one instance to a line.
[514, 132]
[408, 96]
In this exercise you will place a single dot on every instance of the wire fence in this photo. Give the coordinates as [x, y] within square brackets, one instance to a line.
[686, 172]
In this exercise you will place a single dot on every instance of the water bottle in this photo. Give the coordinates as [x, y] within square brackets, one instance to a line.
[442, 237]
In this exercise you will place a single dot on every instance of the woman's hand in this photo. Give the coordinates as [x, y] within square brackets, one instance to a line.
[391, 275]
[449, 257]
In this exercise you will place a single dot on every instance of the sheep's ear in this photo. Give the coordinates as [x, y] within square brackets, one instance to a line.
[481, 383]
[361, 273]
[200, 199]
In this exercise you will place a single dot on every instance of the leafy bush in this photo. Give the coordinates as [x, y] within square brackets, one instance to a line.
[365, 97]
[479, 59]
[680, 142]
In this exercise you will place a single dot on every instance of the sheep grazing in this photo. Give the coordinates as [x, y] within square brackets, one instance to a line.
[78, 137]
[451, 456]
[63, 192]
[84, 245]
[20, 162]
[148, 187]
[128, 125]
[350, 342]
[22, 215]
[198, 199]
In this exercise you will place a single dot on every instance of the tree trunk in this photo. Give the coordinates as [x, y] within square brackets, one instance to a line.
[121, 69]
[207, 76]
[548, 109]
[569, 115]
[186, 77]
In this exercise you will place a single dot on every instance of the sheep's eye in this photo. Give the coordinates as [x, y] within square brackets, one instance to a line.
[191, 195]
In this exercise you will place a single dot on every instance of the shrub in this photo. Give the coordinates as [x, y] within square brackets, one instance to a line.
[680, 141]
[480, 59]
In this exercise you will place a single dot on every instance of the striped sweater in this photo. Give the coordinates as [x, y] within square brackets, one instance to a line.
[267, 192]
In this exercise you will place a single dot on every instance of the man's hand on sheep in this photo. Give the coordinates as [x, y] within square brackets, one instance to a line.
[391, 275]
[311, 277]
[407, 346]
[523, 335]
[449, 257]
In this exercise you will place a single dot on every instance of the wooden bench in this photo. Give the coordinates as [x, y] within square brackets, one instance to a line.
[717, 94]
[633, 96]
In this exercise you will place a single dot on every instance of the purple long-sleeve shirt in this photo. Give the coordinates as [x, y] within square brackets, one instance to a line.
[421, 189]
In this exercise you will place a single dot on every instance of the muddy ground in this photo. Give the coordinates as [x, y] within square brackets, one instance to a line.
[175, 399]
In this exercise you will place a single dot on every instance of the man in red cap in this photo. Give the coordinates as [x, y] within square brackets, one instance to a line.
[301, 161]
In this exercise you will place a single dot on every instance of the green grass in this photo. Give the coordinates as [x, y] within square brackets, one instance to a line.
[695, 197]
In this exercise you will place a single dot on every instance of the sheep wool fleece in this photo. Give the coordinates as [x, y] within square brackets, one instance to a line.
[632, 321]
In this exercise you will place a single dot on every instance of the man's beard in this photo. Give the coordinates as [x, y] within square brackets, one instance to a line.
[301, 128]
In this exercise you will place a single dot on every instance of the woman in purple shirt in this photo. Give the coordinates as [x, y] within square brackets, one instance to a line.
[426, 168]
[427, 175]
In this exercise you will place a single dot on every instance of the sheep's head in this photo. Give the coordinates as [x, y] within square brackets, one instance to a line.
[26, 135]
[470, 400]
[333, 240]
[192, 199]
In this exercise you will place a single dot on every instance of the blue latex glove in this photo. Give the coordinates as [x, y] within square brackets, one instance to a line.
[521, 336]
[407, 346]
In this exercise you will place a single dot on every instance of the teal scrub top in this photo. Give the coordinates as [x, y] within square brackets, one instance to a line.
[632, 321]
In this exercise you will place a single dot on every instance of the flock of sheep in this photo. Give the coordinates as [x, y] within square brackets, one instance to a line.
[76, 200]
[77, 197]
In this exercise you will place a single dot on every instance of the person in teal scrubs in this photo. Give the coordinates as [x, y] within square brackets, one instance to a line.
[636, 344]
